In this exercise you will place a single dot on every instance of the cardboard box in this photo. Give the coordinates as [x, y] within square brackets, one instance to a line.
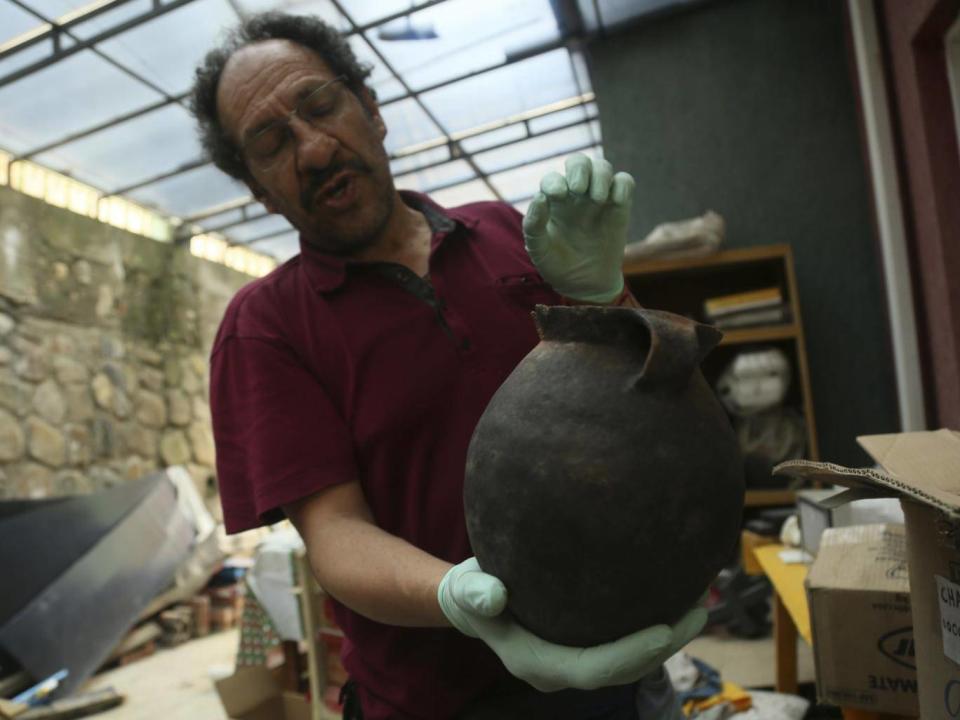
[923, 470]
[817, 510]
[254, 693]
[859, 599]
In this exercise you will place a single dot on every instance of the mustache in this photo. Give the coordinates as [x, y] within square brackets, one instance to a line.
[317, 178]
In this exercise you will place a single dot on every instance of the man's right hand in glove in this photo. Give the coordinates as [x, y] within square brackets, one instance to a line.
[474, 601]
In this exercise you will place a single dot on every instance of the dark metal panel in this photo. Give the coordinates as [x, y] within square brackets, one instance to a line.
[79, 618]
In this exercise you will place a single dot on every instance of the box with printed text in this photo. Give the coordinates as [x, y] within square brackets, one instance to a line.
[859, 599]
[922, 469]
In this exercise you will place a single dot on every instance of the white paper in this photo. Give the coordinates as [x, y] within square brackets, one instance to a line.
[948, 595]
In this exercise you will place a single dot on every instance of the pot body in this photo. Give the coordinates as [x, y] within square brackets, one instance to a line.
[604, 484]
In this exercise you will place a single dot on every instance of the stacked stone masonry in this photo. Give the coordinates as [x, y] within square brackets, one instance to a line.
[104, 346]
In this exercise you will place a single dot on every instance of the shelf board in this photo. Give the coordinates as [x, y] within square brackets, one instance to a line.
[760, 333]
[651, 266]
[765, 498]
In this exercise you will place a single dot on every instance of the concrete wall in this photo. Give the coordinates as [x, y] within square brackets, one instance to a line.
[104, 339]
[748, 107]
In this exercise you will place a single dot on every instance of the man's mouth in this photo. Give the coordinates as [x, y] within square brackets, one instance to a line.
[336, 186]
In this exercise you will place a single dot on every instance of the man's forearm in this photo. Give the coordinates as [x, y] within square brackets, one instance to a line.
[372, 572]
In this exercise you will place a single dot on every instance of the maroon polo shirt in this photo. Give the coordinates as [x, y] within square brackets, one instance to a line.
[326, 371]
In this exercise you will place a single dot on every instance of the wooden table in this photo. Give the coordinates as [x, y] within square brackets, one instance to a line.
[791, 617]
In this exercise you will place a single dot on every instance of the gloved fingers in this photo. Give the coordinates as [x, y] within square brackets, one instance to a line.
[554, 186]
[600, 180]
[578, 169]
[621, 191]
[477, 592]
[537, 216]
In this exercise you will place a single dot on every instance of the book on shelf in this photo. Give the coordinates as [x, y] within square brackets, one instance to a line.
[750, 318]
[717, 307]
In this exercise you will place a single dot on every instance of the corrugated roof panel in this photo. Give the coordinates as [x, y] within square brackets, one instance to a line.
[190, 192]
[510, 90]
[324, 9]
[144, 147]
[71, 95]
[424, 180]
[532, 150]
[255, 228]
[469, 36]
[168, 49]
[15, 21]
[407, 124]
[282, 247]
[473, 191]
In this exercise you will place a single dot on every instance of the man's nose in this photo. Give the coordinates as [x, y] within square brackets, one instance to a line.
[314, 148]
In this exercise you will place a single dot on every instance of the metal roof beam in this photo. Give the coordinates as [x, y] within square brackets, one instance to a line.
[133, 115]
[64, 22]
[58, 54]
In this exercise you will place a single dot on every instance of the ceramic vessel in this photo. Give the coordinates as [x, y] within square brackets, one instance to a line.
[604, 484]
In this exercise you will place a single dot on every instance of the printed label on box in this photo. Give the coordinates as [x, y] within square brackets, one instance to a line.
[948, 594]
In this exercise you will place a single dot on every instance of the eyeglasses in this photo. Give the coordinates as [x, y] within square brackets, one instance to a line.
[266, 148]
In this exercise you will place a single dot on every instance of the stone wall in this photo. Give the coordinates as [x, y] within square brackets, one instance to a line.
[104, 340]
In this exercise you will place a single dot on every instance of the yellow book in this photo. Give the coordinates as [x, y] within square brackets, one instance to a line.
[738, 302]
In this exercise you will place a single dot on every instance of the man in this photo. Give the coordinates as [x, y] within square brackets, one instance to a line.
[346, 384]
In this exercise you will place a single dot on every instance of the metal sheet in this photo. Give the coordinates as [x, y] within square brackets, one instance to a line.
[80, 617]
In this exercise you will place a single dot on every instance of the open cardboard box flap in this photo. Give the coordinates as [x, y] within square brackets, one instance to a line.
[924, 466]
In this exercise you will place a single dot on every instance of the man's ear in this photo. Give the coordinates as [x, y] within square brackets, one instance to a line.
[260, 194]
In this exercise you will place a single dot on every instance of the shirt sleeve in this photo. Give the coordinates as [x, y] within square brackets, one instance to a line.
[279, 437]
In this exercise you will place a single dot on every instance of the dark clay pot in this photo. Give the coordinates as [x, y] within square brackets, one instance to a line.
[604, 483]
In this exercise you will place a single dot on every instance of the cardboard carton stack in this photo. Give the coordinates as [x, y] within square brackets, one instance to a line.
[922, 469]
[859, 599]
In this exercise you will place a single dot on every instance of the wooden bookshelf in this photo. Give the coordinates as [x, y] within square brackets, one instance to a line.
[681, 285]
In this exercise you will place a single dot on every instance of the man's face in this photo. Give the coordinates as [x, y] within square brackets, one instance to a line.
[328, 175]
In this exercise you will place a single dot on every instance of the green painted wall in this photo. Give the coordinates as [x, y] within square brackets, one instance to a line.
[748, 107]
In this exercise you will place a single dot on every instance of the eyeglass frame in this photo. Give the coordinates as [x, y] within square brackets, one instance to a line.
[284, 121]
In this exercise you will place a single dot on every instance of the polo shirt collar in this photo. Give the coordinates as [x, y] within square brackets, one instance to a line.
[327, 272]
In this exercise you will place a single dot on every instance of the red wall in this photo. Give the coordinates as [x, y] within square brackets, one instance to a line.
[930, 158]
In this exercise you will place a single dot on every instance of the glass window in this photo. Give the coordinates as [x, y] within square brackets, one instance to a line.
[364, 12]
[563, 117]
[494, 137]
[53, 9]
[23, 58]
[473, 191]
[190, 192]
[407, 124]
[15, 21]
[524, 182]
[575, 139]
[511, 90]
[462, 36]
[323, 9]
[282, 247]
[255, 228]
[381, 80]
[407, 163]
[167, 50]
[446, 174]
[112, 18]
[124, 154]
[68, 96]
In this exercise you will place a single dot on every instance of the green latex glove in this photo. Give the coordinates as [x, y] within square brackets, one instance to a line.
[576, 227]
[473, 602]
